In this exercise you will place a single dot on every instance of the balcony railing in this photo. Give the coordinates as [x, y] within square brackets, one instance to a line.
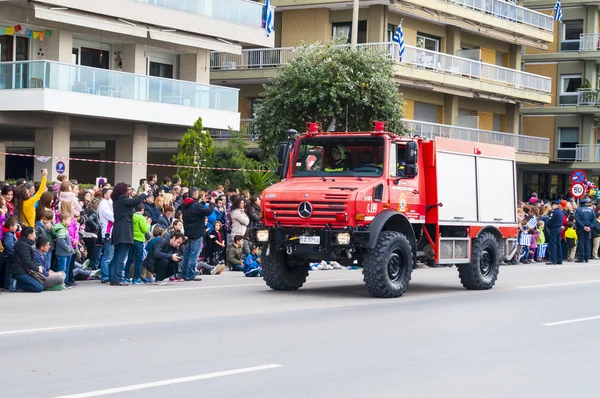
[522, 143]
[413, 56]
[589, 42]
[509, 11]
[239, 11]
[108, 83]
[587, 153]
[246, 128]
[588, 97]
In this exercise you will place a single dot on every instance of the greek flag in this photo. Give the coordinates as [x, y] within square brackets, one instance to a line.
[558, 11]
[542, 250]
[525, 240]
[270, 23]
[399, 38]
[532, 223]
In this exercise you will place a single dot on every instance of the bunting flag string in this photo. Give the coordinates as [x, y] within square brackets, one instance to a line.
[23, 30]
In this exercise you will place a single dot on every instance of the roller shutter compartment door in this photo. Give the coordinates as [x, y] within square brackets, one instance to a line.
[496, 189]
[457, 189]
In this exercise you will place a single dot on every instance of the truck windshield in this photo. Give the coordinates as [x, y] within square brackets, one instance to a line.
[340, 156]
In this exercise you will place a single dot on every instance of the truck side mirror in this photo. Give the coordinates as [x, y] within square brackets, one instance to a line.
[411, 170]
[412, 153]
[281, 152]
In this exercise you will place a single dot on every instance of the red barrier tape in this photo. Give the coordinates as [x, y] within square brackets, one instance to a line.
[46, 158]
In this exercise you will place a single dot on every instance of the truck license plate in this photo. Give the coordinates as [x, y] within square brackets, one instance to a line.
[310, 240]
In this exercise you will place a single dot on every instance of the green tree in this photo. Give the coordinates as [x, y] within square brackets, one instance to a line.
[233, 156]
[341, 88]
[194, 149]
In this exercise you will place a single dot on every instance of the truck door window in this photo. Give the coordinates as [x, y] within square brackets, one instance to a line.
[339, 156]
[401, 155]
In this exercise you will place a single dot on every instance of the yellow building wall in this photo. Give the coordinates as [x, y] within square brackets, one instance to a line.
[244, 108]
[409, 109]
[549, 70]
[541, 126]
[305, 26]
[552, 47]
[441, 115]
[486, 120]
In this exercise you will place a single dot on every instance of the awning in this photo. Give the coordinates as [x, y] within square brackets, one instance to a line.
[197, 41]
[93, 21]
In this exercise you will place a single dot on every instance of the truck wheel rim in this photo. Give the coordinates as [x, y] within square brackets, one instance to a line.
[396, 267]
[486, 262]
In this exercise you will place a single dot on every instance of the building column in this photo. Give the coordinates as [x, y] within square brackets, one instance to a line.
[520, 176]
[55, 141]
[588, 130]
[450, 109]
[132, 148]
[591, 19]
[195, 67]
[59, 46]
[453, 38]
[377, 24]
[514, 56]
[512, 118]
[2, 161]
[591, 73]
[133, 58]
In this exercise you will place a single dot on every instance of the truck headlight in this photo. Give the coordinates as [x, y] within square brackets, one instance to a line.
[262, 235]
[343, 238]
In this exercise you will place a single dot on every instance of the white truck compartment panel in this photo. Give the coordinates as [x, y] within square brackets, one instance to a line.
[457, 188]
[497, 197]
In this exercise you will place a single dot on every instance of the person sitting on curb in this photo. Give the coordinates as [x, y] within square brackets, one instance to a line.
[23, 263]
[234, 254]
[252, 266]
[54, 280]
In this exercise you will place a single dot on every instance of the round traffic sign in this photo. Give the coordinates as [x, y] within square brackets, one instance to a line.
[577, 190]
[60, 167]
[578, 176]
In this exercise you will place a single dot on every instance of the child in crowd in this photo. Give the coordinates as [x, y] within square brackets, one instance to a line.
[64, 247]
[43, 228]
[4, 274]
[541, 242]
[9, 240]
[252, 263]
[234, 254]
[141, 226]
[54, 280]
[571, 241]
[533, 245]
[216, 243]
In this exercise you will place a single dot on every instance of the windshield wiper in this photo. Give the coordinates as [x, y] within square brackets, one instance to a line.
[320, 174]
[356, 175]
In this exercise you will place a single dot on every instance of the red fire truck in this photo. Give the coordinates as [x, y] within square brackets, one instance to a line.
[384, 202]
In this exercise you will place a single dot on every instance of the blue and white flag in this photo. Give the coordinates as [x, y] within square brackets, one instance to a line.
[542, 247]
[532, 223]
[399, 38]
[270, 21]
[558, 11]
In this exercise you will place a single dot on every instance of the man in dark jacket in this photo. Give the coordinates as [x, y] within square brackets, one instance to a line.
[555, 226]
[152, 212]
[23, 261]
[585, 220]
[194, 225]
[164, 256]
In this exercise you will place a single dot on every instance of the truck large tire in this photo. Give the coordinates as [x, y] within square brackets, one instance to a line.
[388, 267]
[283, 272]
[481, 273]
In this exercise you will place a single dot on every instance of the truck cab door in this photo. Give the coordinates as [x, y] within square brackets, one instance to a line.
[405, 196]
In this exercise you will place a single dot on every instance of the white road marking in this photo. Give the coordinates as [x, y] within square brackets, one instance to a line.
[590, 318]
[23, 331]
[559, 284]
[176, 289]
[168, 382]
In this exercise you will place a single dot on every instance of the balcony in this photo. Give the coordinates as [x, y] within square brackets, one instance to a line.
[588, 97]
[523, 144]
[493, 18]
[246, 129]
[79, 90]
[589, 42]
[587, 153]
[239, 11]
[419, 68]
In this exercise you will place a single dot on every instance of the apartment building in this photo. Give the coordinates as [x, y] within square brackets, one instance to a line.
[115, 79]
[461, 71]
[569, 121]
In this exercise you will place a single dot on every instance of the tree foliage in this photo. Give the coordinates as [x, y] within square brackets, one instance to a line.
[194, 149]
[341, 88]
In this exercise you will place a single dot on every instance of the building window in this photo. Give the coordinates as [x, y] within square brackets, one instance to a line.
[569, 84]
[158, 69]
[571, 31]
[568, 139]
[391, 31]
[428, 42]
[343, 30]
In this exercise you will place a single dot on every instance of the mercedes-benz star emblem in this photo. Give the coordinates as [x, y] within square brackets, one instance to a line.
[305, 210]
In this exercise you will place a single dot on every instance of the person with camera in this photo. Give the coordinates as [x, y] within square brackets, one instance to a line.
[163, 258]
[122, 231]
[195, 210]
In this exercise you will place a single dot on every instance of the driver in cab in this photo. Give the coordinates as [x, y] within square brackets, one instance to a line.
[337, 162]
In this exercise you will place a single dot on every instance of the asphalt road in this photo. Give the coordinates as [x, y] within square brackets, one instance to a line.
[536, 334]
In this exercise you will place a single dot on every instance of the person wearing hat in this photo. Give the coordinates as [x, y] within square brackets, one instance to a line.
[338, 159]
[585, 220]
[555, 226]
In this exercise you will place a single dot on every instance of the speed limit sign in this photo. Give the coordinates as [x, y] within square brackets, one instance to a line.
[577, 190]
